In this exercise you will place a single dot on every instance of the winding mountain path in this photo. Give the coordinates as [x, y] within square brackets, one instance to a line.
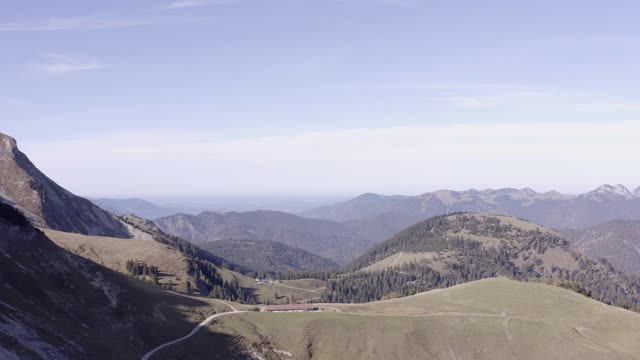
[204, 323]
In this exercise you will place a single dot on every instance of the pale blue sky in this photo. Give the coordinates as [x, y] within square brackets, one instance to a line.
[214, 76]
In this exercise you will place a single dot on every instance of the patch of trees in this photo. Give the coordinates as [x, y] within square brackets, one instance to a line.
[141, 270]
[297, 275]
[208, 280]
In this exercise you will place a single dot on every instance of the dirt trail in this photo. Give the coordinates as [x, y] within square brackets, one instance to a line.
[204, 323]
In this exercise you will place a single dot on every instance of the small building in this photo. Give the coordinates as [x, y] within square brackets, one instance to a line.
[290, 308]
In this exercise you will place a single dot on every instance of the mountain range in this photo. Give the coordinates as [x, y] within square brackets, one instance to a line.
[345, 230]
[551, 209]
[338, 242]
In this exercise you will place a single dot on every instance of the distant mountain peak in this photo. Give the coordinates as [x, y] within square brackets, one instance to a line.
[369, 195]
[617, 190]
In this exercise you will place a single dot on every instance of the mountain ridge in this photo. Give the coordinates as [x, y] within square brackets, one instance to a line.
[140, 207]
[552, 209]
[47, 203]
[335, 241]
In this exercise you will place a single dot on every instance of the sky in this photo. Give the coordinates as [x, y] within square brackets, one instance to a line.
[322, 97]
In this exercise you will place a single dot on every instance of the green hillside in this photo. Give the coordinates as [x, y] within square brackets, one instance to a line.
[489, 319]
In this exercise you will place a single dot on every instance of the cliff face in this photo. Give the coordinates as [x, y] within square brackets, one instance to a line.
[46, 203]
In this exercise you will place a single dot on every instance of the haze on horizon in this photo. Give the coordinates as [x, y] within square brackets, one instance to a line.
[322, 97]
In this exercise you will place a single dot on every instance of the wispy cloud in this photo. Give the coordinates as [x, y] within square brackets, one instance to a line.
[95, 22]
[461, 94]
[604, 106]
[184, 4]
[61, 64]
[406, 4]
[491, 100]
[472, 101]
[438, 85]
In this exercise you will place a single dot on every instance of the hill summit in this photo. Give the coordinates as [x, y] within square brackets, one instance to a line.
[452, 249]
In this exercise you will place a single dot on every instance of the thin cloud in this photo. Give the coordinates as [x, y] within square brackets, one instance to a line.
[183, 4]
[438, 85]
[406, 4]
[604, 106]
[62, 64]
[94, 22]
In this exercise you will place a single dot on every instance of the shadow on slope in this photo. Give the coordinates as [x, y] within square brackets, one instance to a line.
[56, 305]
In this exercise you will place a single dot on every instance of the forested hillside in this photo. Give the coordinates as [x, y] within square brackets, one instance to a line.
[337, 242]
[618, 241]
[268, 256]
[464, 247]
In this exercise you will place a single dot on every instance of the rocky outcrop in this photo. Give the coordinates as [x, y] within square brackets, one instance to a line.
[46, 203]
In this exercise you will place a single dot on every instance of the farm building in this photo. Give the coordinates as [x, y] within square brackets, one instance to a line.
[290, 308]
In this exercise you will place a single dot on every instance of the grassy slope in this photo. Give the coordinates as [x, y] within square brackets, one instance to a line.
[487, 319]
[400, 258]
[114, 253]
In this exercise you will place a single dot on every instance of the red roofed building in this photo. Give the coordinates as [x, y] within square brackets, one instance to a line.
[290, 308]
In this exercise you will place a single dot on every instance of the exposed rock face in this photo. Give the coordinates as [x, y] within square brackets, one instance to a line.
[46, 203]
